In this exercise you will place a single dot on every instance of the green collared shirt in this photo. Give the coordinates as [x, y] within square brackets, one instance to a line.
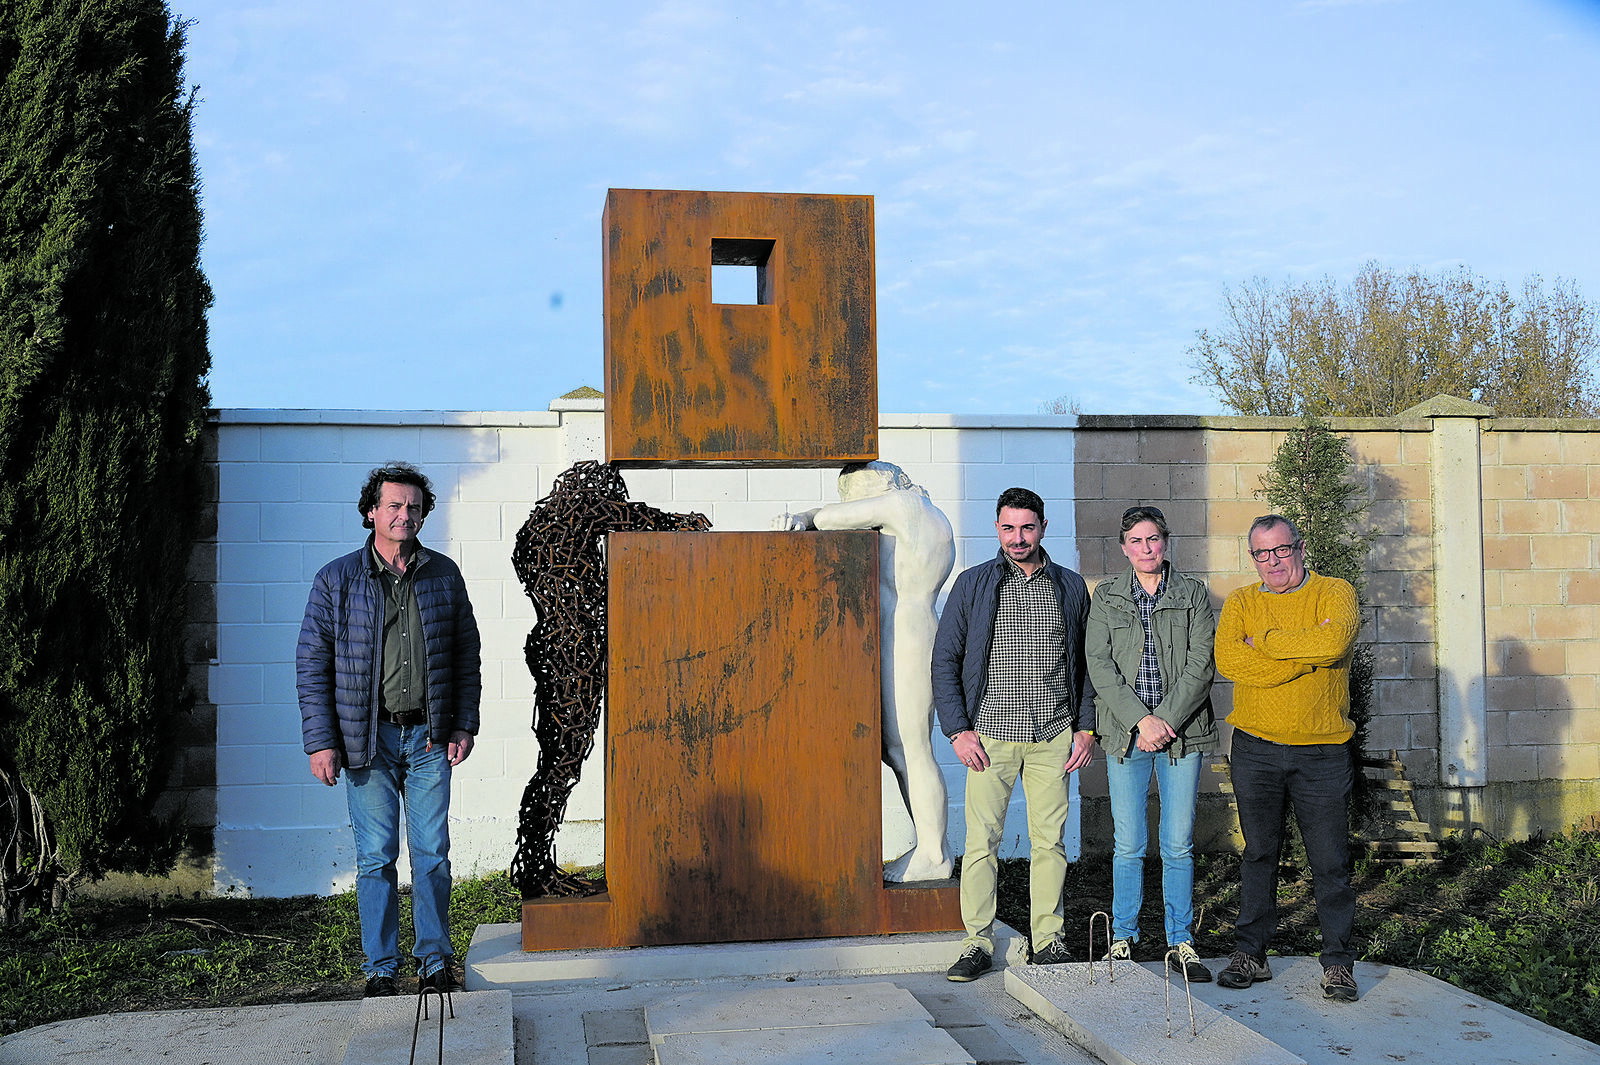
[405, 654]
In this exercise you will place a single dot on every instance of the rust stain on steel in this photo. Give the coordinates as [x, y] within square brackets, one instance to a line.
[560, 559]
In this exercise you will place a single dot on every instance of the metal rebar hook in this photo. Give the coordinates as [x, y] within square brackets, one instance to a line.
[445, 999]
[1168, 963]
[1111, 972]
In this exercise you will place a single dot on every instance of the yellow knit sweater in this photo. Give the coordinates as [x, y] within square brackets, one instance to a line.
[1293, 685]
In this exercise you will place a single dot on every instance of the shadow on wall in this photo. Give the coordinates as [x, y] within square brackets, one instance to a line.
[1532, 737]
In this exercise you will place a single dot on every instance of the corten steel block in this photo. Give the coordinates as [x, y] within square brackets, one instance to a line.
[743, 797]
[743, 735]
[789, 380]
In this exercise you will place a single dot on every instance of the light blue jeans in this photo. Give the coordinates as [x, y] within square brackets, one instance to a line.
[1179, 783]
[403, 770]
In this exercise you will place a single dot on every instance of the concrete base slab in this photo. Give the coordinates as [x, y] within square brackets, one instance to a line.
[480, 1032]
[496, 959]
[762, 1008]
[551, 1025]
[875, 1022]
[897, 1043]
[1401, 1016]
[308, 1034]
[1132, 1020]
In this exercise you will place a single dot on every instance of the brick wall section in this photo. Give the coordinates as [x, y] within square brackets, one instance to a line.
[1204, 474]
[1542, 594]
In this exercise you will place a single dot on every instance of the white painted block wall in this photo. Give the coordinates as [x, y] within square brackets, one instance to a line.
[288, 482]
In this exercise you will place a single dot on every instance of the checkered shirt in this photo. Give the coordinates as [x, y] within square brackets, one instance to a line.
[1147, 685]
[1026, 698]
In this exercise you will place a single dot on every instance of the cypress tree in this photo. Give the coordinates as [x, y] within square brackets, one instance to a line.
[103, 360]
[1311, 482]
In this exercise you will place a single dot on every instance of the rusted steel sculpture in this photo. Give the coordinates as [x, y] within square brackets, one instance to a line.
[560, 559]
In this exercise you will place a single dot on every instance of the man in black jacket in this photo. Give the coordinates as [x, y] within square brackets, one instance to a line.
[389, 682]
[1012, 693]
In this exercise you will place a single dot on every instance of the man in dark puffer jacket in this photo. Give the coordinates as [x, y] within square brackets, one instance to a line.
[388, 667]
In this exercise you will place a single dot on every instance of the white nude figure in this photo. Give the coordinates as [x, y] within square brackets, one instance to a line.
[915, 553]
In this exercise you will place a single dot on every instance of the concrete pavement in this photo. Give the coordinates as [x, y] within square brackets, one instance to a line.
[614, 1008]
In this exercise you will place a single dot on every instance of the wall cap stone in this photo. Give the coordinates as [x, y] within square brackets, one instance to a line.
[1443, 406]
[1246, 423]
[481, 418]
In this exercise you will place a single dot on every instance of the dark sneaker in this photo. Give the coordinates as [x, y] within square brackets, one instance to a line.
[1243, 970]
[1052, 953]
[973, 963]
[381, 986]
[443, 980]
[1121, 950]
[1183, 959]
[1339, 983]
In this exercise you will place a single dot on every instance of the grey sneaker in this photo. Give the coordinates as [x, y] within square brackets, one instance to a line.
[1339, 983]
[1243, 970]
[1121, 950]
[1052, 953]
[1189, 964]
[973, 963]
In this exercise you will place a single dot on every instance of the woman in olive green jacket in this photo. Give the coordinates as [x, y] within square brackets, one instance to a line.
[1148, 642]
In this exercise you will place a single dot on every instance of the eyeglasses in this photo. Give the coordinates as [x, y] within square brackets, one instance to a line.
[1281, 551]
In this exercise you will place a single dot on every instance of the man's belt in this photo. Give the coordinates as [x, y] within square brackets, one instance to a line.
[404, 717]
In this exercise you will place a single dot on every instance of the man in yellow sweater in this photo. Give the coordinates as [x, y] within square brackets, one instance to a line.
[1286, 643]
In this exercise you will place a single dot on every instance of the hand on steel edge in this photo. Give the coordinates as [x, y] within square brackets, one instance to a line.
[460, 747]
[1082, 751]
[969, 748]
[325, 766]
[1154, 733]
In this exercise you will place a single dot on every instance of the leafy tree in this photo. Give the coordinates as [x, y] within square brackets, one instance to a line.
[1387, 341]
[103, 360]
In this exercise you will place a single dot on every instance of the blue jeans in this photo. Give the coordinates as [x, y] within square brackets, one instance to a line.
[1179, 781]
[403, 769]
[1317, 778]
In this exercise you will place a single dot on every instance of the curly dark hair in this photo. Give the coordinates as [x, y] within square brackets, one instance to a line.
[394, 473]
[1021, 499]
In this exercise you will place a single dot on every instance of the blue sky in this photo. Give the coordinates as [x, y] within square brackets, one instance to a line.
[402, 199]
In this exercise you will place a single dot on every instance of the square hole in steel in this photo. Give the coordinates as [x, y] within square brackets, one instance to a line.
[739, 272]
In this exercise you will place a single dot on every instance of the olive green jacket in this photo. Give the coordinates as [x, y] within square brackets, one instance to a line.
[1185, 628]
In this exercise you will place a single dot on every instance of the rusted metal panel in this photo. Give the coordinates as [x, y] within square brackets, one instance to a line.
[789, 380]
[743, 780]
[552, 923]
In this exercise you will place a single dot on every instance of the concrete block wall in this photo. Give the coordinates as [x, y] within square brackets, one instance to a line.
[1533, 706]
[1542, 598]
[1204, 474]
[287, 482]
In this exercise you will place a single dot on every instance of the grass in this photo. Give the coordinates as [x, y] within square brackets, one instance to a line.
[171, 953]
[1518, 923]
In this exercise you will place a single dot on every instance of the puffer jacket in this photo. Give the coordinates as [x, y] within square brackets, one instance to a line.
[1185, 628]
[339, 661]
[966, 628]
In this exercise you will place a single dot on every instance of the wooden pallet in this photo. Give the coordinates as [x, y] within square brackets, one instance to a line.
[1402, 838]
